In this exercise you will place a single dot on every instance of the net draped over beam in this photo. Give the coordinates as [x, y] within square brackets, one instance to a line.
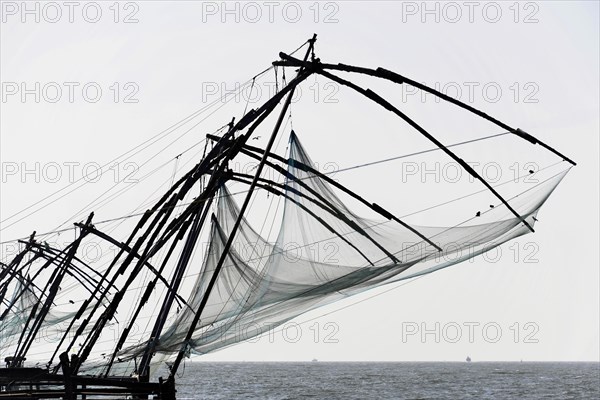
[272, 283]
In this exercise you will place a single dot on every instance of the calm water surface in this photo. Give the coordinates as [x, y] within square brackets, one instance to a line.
[325, 380]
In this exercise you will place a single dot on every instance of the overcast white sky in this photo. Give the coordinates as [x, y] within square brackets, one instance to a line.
[534, 65]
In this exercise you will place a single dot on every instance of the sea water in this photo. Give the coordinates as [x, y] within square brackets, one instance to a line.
[404, 380]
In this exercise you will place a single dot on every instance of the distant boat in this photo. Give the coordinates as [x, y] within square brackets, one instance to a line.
[468, 359]
[314, 360]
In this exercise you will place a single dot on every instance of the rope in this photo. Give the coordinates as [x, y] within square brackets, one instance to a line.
[129, 153]
[147, 143]
[175, 169]
[249, 95]
[324, 173]
[415, 154]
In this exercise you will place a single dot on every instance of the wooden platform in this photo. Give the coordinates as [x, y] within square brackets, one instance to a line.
[37, 383]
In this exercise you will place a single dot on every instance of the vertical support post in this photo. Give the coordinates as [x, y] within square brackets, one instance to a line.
[66, 370]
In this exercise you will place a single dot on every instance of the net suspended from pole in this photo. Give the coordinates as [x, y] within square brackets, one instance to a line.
[192, 274]
[271, 283]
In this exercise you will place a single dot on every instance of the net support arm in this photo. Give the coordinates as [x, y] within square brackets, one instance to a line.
[269, 188]
[127, 249]
[400, 79]
[373, 206]
[327, 206]
[385, 104]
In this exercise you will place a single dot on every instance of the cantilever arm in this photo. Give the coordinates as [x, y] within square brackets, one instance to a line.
[127, 249]
[268, 187]
[252, 151]
[400, 79]
[385, 104]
